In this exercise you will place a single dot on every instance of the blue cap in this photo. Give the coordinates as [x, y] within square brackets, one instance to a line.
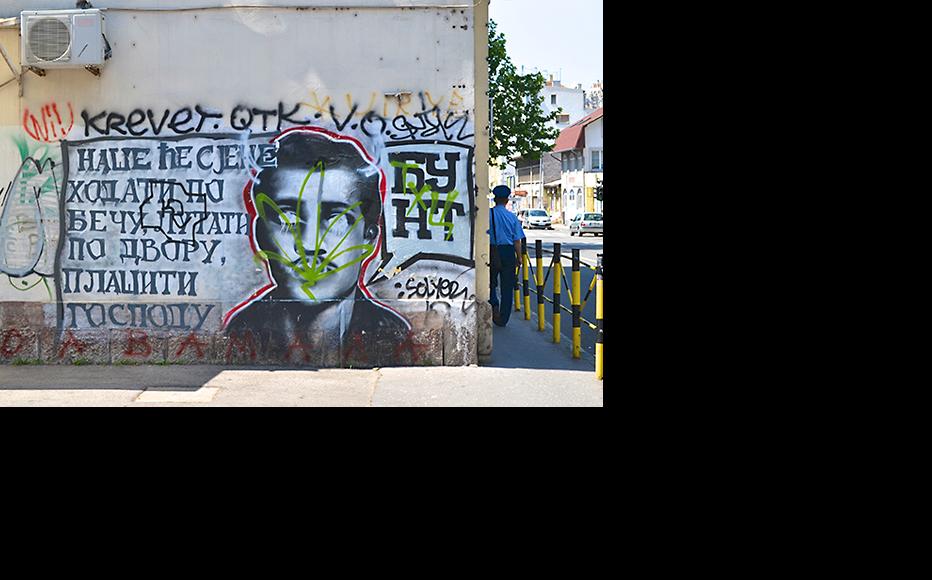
[501, 191]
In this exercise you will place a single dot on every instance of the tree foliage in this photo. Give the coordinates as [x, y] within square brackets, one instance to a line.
[519, 123]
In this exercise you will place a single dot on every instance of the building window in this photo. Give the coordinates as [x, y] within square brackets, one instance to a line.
[597, 160]
[564, 164]
[553, 99]
[562, 119]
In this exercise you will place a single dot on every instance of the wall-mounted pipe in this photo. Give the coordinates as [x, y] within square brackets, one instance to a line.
[9, 63]
[301, 7]
[14, 22]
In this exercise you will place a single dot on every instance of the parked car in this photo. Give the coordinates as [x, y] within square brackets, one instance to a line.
[536, 218]
[586, 223]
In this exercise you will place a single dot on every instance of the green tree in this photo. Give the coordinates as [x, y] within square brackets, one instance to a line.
[519, 124]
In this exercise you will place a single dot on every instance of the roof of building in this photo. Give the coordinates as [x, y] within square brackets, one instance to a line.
[574, 136]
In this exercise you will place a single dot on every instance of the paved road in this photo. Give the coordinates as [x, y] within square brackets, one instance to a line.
[589, 246]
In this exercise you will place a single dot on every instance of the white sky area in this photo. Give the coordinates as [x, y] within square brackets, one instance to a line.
[551, 35]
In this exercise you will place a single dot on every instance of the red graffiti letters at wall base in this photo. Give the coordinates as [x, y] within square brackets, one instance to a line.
[9, 348]
[356, 348]
[71, 343]
[242, 341]
[303, 348]
[411, 346]
[137, 344]
[192, 341]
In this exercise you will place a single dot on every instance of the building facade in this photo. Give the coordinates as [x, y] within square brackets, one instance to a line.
[569, 101]
[298, 182]
[539, 180]
[532, 176]
[594, 98]
[581, 151]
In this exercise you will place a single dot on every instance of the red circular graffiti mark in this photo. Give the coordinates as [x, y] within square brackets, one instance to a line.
[48, 126]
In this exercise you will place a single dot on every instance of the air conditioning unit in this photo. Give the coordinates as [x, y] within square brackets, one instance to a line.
[62, 38]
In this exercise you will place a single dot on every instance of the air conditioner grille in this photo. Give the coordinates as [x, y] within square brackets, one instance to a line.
[49, 39]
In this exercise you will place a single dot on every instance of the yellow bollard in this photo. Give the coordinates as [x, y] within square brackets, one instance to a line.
[527, 289]
[599, 298]
[557, 278]
[577, 312]
[517, 288]
[541, 313]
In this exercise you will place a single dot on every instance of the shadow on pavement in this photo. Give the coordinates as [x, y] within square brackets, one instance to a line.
[519, 345]
[114, 377]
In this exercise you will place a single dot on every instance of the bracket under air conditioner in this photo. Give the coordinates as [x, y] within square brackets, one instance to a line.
[17, 75]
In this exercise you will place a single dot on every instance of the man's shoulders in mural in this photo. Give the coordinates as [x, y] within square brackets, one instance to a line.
[371, 317]
[368, 316]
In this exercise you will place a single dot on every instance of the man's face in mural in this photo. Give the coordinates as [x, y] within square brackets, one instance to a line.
[312, 231]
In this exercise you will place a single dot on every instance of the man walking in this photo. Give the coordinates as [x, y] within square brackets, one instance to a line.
[505, 233]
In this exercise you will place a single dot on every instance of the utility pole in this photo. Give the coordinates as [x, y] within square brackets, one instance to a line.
[542, 179]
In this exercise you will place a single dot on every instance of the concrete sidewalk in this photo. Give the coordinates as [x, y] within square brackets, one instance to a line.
[525, 370]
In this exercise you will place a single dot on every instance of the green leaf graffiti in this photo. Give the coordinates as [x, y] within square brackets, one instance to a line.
[411, 187]
[312, 272]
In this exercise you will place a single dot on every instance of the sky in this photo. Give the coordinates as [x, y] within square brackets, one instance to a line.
[552, 35]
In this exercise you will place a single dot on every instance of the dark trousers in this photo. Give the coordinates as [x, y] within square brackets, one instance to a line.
[504, 279]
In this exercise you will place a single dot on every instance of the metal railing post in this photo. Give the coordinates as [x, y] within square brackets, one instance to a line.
[557, 279]
[599, 300]
[517, 287]
[527, 289]
[541, 314]
[574, 300]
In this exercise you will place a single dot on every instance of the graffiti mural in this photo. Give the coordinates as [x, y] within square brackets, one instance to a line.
[318, 225]
[49, 124]
[245, 233]
[29, 218]
[428, 123]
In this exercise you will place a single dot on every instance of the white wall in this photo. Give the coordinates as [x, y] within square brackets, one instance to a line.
[572, 101]
[327, 67]
[594, 141]
[10, 8]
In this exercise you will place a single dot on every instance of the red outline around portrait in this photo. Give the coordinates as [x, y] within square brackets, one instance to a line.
[253, 217]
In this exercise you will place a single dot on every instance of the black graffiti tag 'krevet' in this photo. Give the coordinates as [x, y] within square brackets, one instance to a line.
[426, 124]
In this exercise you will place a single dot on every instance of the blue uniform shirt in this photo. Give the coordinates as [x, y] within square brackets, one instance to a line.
[508, 229]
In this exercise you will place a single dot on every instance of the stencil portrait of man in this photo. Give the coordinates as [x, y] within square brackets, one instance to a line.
[317, 223]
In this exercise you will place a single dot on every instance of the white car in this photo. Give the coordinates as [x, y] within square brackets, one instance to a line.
[586, 223]
[536, 218]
